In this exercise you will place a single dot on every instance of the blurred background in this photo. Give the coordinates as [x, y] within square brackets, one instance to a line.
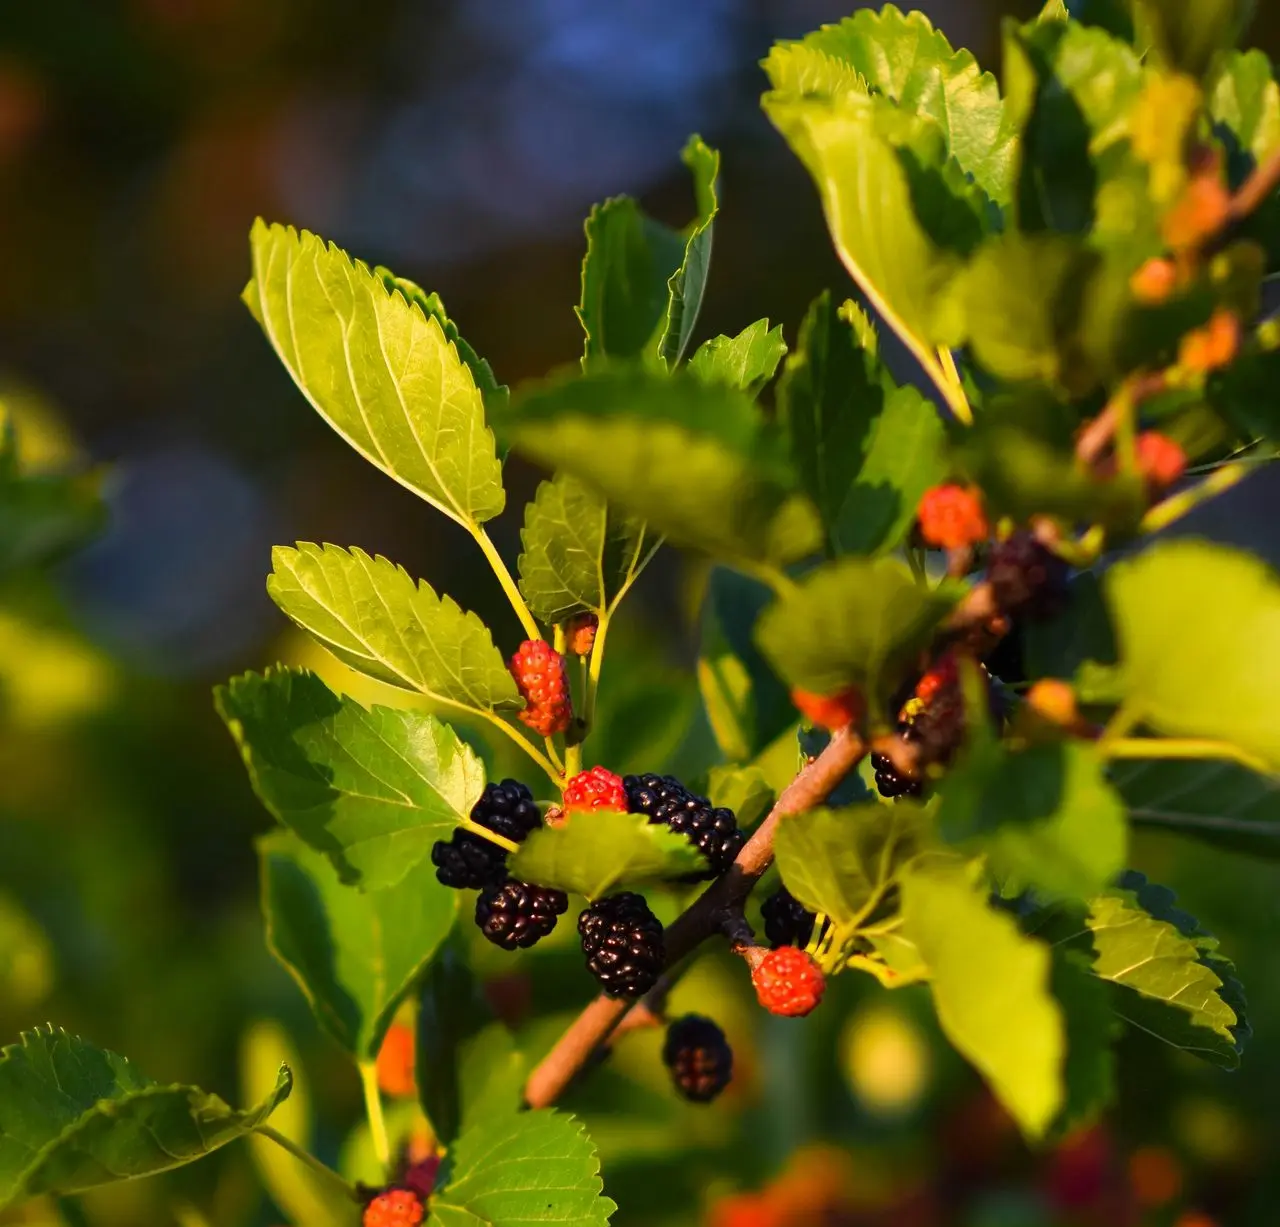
[462, 145]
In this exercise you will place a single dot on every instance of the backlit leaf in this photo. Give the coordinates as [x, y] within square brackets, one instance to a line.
[746, 362]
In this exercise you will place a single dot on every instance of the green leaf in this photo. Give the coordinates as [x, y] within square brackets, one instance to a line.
[745, 790]
[694, 460]
[852, 622]
[847, 146]
[842, 861]
[907, 60]
[580, 555]
[495, 394]
[523, 1169]
[371, 615]
[991, 987]
[355, 954]
[372, 788]
[1164, 986]
[746, 705]
[381, 372]
[629, 260]
[592, 853]
[746, 362]
[688, 283]
[1196, 625]
[1244, 99]
[1219, 803]
[76, 1116]
[1082, 632]
[1044, 817]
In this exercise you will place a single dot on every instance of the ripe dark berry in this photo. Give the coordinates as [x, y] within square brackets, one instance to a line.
[713, 830]
[540, 676]
[622, 940]
[1027, 578]
[698, 1056]
[889, 783]
[507, 809]
[788, 982]
[468, 861]
[598, 788]
[951, 517]
[829, 711]
[787, 922]
[394, 1208]
[517, 915]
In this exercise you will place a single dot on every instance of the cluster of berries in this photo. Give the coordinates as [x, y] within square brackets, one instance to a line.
[622, 939]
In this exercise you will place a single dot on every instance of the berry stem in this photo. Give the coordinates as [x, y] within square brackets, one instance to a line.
[554, 770]
[492, 836]
[1182, 747]
[702, 919]
[490, 551]
[373, 1109]
[1177, 505]
[954, 387]
[323, 1170]
[1261, 182]
[594, 667]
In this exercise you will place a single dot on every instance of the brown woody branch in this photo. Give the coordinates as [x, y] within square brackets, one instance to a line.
[1253, 192]
[704, 918]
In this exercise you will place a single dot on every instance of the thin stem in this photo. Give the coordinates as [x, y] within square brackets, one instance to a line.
[554, 755]
[572, 760]
[1176, 506]
[956, 399]
[322, 1170]
[1123, 720]
[490, 552]
[594, 667]
[1262, 181]
[554, 771]
[373, 1109]
[492, 836]
[1183, 747]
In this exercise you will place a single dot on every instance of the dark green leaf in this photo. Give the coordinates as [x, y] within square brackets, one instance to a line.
[371, 615]
[592, 853]
[372, 788]
[852, 622]
[991, 987]
[1081, 632]
[842, 861]
[1200, 656]
[1044, 816]
[522, 1170]
[629, 260]
[1089, 1070]
[75, 1116]
[579, 555]
[692, 459]
[1216, 802]
[449, 1011]
[746, 362]
[381, 372]
[355, 954]
[688, 283]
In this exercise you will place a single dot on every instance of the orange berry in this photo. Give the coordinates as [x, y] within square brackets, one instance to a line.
[596, 789]
[394, 1208]
[1160, 460]
[1154, 282]
[580, 634]
[788, 982]
[1195, 1218]
[1155, 1176]
[540, 676]
[1213, 346]
[395, 1061]
[1054, 700]
[1201, 210]
[951, 517]
[829, 711]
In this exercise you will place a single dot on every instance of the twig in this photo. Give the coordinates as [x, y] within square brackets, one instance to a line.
[1096, 437]
[1253, 192]
[702, 919]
